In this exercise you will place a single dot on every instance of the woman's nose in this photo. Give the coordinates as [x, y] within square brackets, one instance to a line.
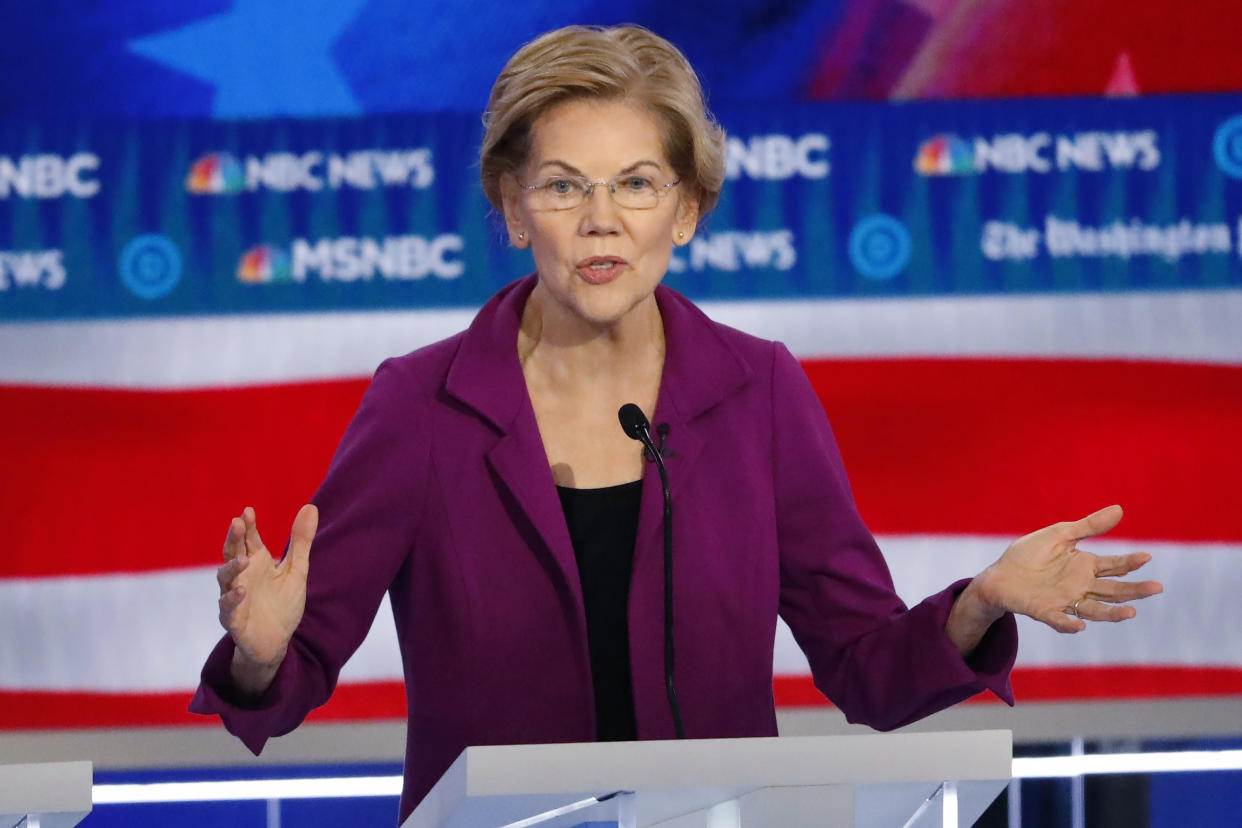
[599, 212]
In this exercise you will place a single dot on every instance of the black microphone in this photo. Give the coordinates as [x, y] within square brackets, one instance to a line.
[635, 424]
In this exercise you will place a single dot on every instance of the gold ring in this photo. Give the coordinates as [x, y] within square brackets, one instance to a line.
[1074, 609]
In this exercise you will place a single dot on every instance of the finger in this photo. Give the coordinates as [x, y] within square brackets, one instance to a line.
[1096, 523]
[226, 574]
[229, 602]
[1118, 592]
[1093, 610]
[1064, 622]
[234, 544]
[1112, 566]
[300, 537]
[253, 542]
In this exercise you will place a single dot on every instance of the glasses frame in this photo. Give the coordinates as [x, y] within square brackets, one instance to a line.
[588, 190]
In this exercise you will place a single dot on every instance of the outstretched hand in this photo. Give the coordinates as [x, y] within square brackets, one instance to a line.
[261, 599]
[1046, 576]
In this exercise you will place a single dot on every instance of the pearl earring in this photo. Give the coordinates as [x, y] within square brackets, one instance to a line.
[681, 235]
[521, 237]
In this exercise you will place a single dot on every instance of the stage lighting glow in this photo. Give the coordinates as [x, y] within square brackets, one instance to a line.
[1095, 763]
[240, 789]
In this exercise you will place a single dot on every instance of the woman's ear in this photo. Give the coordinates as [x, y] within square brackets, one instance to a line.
[687, 220]
[511, 201]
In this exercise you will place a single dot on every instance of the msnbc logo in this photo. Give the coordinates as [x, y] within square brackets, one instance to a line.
[262, 264]
[945, 155]
[217, 172]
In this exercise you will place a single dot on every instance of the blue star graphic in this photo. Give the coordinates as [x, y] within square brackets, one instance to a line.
[265, 57]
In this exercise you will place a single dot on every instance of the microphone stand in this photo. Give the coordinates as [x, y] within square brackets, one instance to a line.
[637, 427]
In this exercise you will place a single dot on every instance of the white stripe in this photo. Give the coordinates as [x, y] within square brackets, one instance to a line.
[1196, 622]
[150, 632]
[1199, 326]
[146, 632]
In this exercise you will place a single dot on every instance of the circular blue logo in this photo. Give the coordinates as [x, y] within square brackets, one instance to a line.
[1227, 147]
[879, 246]
[150, 266]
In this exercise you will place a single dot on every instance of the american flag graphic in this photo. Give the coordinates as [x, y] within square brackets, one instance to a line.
[965, 421]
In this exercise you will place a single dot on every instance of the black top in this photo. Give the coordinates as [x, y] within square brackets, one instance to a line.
[603, 524]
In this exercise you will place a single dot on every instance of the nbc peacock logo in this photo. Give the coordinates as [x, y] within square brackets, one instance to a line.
[215, 173]
[945, 154]
[263, 264]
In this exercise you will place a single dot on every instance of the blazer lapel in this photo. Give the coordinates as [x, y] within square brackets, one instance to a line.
[700, 371]
[529, 481]
[486, 376]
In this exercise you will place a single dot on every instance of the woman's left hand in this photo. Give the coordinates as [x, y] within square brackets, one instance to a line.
[1044, 575]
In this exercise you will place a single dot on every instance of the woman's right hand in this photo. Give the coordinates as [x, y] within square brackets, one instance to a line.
[261, 600]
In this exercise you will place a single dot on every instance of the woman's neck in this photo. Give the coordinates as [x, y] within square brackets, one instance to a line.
[569, 352]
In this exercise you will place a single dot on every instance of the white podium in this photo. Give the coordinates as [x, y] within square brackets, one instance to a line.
[905, 780]
[47, 795]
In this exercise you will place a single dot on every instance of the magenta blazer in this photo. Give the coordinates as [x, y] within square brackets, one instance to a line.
[440, 494]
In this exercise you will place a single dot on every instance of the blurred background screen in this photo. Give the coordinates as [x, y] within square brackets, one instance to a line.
[1004, 239]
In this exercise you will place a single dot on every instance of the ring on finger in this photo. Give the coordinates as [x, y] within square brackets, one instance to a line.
[1073, 610]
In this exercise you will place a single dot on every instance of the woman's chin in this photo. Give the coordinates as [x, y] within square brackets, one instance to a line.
[606, 306]
[598, 305]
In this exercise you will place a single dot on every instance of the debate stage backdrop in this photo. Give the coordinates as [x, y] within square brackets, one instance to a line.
[1005, 243]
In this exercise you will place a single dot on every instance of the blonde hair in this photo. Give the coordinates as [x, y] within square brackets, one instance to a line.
[615, 63]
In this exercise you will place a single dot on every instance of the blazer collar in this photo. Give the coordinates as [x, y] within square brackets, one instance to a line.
[700, 368]
[485, 373]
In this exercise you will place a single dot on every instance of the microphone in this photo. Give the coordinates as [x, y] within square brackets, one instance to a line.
[636, 426]
[634, 423]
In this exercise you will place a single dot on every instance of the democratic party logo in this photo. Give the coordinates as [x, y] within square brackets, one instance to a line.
[879, 246]
[262, 264]
[150, 266]
[217, 172]
[1227, 147]
[945, 154]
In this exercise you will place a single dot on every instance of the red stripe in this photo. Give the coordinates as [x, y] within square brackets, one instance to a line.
[1067, 684]
[977, 446]
[122, 481]
[386, 700]
[22, 710]
[99, 481]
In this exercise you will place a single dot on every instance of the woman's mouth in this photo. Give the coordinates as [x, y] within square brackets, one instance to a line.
[600, 270]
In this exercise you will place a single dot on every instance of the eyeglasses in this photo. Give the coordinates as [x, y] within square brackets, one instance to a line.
[631, 192]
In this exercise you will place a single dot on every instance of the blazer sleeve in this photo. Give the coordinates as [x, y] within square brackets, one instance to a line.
[368, 505]
[883, 664]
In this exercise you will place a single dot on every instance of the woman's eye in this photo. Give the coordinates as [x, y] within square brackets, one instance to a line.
[561, 186]
[635, 182]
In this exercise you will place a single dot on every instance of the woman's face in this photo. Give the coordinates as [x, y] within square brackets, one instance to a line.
[598, 261]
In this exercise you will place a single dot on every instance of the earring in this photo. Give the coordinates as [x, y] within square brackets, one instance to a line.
[521, 237]
[680, 235]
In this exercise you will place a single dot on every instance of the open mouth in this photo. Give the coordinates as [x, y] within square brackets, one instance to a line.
[599, 270]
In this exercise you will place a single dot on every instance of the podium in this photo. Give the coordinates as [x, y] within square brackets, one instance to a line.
[46, 795]
[902, 780]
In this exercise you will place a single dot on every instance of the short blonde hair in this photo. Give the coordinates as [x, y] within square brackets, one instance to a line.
[594, 62]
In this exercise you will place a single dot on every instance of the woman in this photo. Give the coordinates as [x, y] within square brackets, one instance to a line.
[486, 486]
